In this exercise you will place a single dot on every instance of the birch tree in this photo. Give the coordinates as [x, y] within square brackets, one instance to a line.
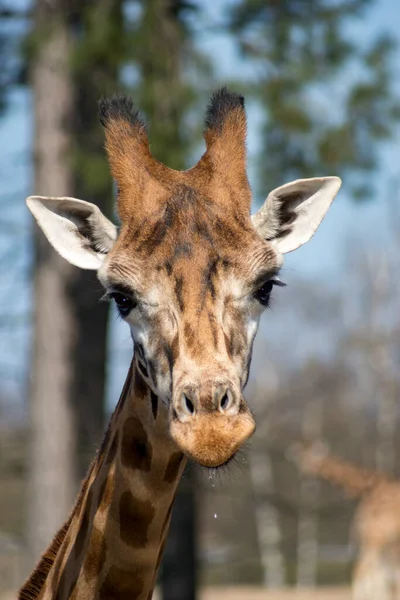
[266, 514]
[379, 359]
[307, 528]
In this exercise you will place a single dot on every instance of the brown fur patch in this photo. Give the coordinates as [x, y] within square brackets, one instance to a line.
[136, 450]
[178, 292]
[121, 584]
[135, 517]
[107, 494]
[190, 335]
[175, 349]
[214, 328]
[96, 554]
[173, 466]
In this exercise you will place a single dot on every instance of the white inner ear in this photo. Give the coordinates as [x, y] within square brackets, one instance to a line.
[292, 213]
[77, 230]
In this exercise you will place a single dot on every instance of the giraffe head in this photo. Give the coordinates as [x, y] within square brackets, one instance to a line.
[189, 269]
[308, 455]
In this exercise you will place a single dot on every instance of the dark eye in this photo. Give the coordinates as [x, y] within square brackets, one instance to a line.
[264, 292]
[124, 303]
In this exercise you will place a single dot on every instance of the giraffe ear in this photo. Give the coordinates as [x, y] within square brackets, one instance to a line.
[292, 213]
[78, 230]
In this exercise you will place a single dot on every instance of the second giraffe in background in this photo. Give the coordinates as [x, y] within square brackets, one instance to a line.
[376, 575]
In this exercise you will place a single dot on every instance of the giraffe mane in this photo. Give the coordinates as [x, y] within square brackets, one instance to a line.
[33, 586]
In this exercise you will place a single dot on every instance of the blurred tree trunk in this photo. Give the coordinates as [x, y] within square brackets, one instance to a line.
[307, 536]
[387, 407]
[267, 520]
[52, 481]
[266, 514]
[380, 362]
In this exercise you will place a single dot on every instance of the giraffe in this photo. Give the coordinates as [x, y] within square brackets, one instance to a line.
[190, 271]
[376, 525]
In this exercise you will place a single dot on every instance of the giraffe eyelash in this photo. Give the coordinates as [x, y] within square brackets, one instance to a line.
[125, 302]
[263, 293]
[278, 281]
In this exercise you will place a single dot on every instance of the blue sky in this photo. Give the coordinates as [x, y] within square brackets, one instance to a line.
[347, 227]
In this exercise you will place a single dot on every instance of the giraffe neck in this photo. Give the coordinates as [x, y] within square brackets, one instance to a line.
[354, 480]
[112, 544]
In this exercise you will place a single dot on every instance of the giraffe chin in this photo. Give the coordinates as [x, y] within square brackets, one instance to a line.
[212, 439]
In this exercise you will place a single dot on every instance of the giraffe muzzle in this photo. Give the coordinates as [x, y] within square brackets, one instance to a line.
[211, 423]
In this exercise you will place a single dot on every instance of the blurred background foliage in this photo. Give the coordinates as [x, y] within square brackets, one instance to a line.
[322, 99]
[327, 97]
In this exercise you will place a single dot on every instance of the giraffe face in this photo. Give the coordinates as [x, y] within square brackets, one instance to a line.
[189, 270]
[192, 282]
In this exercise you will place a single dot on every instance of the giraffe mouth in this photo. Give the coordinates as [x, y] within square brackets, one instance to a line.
[212, 439]
[211, 471]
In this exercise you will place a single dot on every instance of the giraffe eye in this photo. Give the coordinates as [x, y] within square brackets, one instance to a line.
[124, 303]
[264, 292]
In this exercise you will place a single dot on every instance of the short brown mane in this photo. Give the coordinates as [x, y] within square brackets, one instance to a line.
[33, 586]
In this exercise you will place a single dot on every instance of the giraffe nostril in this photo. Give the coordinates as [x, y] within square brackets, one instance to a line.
[224, 401]
[188, 404]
